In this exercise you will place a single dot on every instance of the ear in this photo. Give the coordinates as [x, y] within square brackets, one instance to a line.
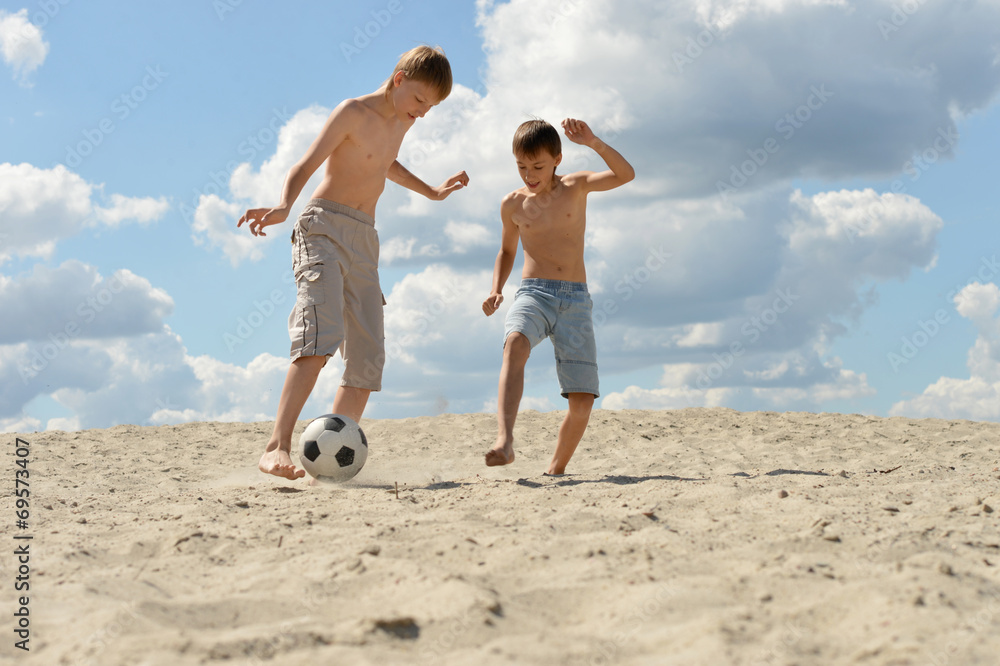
[558, 159]
[397, 78]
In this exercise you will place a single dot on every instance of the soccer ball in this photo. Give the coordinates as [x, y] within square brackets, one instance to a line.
[334, 448]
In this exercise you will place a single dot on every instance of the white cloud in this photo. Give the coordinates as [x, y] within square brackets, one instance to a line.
[150, 379]
[227, 392]
[21, 44]
[21, 424]
[215, 218]
[977, 397]
[788, 381]
[141, 210]
[466, 235]
[636, 397]
[39, 207]
[397, 249]
[75, 302]
[215, 226]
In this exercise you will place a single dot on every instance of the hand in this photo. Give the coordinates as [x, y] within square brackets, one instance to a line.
[492, 304]
[258, 218]
[456, 182]
[578, 131]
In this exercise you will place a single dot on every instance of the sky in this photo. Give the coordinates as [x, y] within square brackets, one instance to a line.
[812, 226]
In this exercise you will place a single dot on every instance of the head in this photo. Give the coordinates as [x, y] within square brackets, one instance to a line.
[421, 79]
[538, 151]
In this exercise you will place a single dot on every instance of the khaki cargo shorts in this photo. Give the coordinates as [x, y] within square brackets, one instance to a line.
[339, 302]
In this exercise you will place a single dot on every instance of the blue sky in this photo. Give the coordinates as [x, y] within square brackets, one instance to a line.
[134, 135]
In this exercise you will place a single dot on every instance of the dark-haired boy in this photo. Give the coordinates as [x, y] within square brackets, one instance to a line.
[549, 216]
[335, 245]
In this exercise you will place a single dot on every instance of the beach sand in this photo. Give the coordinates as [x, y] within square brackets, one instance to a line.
[698, 536]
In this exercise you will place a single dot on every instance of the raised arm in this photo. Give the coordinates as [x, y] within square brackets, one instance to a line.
[509, 237]
[401, 176]
[619, 170]
[341, 122]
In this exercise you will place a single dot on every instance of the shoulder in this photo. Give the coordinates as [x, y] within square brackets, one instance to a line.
[511, 203]
[512, 199]
[575, 179]
[350, 110]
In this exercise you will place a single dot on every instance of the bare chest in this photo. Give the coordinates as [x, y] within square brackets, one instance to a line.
[550, 216]
[371, 148]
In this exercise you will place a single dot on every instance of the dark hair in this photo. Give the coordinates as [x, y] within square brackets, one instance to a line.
[534, 136]
[427, 65]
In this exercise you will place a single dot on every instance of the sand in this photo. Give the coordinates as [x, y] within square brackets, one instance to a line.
[700, 536]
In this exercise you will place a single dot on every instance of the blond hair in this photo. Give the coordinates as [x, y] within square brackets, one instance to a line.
[427, 65]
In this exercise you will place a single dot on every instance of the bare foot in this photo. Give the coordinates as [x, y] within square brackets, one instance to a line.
[279, 463]
[501, 454]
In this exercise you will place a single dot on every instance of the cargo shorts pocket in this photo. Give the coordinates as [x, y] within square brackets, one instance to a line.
[310, 288]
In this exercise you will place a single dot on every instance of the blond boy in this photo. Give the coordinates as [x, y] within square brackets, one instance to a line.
[548, 215]
[335, 246]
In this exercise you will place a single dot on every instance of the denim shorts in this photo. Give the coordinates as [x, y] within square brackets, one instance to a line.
[562, 311]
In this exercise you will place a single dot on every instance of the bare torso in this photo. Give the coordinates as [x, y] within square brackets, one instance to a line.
[356, 171]
[551, 227]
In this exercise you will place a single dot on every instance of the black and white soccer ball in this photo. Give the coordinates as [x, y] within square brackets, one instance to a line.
[333, 448]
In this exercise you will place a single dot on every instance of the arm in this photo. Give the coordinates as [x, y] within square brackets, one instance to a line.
[620, 171]
[401, 176]
[342, 120]
[505, 258]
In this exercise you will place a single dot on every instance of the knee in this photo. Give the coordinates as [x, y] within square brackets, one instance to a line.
[517, 346]
[581, 404]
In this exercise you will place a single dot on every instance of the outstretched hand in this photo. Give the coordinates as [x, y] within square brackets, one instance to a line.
[492, 303]
[258, 218]
[456, 182]
[578, 131]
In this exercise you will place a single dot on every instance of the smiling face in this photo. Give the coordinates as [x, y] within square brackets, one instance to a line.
[538, 170]
[412, 99]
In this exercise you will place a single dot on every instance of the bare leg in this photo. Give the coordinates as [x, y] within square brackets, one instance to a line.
[299, 383]
[515, 355]
[351, 401]
[571, 431]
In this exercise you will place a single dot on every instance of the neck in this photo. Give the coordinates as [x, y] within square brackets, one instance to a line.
[553, 184]
[383, 104]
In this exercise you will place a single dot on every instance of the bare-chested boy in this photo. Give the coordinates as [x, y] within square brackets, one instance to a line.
[549, 215]
[335, 246]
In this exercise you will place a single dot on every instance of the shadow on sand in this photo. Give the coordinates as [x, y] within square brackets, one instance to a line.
[617, 479]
